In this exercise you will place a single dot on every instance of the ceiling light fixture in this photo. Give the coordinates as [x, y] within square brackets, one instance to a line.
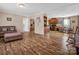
[21, 5]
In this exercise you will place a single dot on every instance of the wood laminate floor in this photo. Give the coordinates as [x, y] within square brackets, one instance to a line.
[53, 43]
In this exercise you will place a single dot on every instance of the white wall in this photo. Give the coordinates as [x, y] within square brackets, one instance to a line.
[75, 24]
[39, 24]
[16, 21]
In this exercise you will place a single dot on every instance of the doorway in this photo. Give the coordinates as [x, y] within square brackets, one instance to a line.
[32, 25]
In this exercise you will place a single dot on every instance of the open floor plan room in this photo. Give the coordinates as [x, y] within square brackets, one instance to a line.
[39, 28]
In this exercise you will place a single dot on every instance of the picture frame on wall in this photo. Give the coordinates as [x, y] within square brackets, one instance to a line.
[9, 19]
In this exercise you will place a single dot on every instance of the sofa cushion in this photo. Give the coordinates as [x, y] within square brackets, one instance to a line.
[11, 34]
[4, 29]
[12, 29]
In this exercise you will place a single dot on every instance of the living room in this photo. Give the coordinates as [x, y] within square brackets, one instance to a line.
[37, 31]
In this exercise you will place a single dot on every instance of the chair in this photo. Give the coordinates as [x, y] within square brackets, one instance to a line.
[72, 35]
[71, 39]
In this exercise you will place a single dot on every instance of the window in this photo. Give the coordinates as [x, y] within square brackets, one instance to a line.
[67, 22]
[25, 25]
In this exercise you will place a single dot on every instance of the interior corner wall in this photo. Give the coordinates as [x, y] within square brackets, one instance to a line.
[16, 21]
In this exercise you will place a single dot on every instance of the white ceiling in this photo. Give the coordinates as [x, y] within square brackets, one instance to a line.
[52, 9]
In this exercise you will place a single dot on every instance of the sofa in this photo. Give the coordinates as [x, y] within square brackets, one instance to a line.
[10, 33]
